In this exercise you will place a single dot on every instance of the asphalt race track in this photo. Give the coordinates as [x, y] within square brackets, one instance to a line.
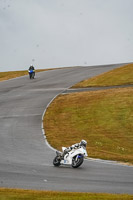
[25, 157]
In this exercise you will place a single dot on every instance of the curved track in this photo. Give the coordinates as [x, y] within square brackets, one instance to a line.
[25, 158]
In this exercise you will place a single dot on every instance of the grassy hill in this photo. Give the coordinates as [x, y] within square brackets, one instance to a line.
[103, 118]
[118, 76]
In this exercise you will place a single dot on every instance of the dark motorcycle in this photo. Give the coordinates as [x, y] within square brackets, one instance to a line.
[31, 74]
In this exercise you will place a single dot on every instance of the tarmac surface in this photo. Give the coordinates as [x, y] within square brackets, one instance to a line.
[25, 157]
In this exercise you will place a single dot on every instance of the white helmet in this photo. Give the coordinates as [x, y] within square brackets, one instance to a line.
[83, 143]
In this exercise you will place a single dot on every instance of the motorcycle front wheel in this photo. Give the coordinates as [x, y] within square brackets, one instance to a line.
[77, 161]
[33, 74]
[30, 76]
[56, 161]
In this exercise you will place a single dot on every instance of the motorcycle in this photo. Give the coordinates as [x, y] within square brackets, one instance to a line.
[75, 157]
[31, 74]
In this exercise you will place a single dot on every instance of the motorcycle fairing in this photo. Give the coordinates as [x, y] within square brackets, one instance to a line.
[69, 156]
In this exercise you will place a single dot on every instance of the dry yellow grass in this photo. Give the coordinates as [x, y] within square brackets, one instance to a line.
[118, 76]
[103, 118]
[14, 74]
[19, 194]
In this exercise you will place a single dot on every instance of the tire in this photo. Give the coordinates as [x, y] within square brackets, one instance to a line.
[33, 74]
[30, 75]
[56, 161]
[76, 162]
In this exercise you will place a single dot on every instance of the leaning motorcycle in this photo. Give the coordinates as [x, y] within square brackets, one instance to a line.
[31, 74]
[74, 158]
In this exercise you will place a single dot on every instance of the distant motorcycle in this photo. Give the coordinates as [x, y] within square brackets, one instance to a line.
[75, 157]
[31, 74]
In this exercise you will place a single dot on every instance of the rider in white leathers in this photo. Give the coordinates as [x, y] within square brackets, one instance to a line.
[75, 146]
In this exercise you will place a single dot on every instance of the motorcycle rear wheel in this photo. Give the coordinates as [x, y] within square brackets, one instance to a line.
[56, 161]
[76, 162]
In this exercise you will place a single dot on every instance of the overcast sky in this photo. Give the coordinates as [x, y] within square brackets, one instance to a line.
[59, 33]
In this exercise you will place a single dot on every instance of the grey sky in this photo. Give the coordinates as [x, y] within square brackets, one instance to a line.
[58, 33]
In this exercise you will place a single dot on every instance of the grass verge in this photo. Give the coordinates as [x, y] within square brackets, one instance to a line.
[119, 76]
[12, 194]
[103, 118]
[14, 74]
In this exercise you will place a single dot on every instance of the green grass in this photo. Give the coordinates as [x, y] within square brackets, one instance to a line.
[17, 194]
[103, 118]
[118, 76]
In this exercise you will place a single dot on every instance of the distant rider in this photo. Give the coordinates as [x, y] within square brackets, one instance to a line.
[83, 143]
[32, 68]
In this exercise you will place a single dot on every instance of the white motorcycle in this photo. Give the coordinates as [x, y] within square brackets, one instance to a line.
[75, 157]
